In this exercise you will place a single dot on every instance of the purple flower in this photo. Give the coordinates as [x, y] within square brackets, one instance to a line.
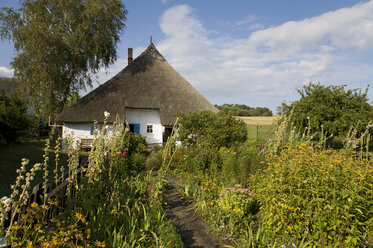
[294, 245]
[283, 246]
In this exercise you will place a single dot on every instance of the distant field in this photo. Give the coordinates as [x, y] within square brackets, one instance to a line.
[259, 127]
[259, 120]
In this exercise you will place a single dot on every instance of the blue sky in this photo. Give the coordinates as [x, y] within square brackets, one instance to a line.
[249, 52]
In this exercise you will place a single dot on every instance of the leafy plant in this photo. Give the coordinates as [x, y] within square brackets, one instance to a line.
[323, 194]
[13, 117]
[206, 129]
[331, 108]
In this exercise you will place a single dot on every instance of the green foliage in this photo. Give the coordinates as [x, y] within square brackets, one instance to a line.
[13, 117]
[243, 110]
[60, 44]
[206, 129]
[74, 98]
[324, 197]
[154, 161]
[239, 163]
[109, 206]
[136, 143]
[332, 108]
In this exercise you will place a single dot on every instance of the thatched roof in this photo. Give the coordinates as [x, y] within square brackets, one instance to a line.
[8, 85]
[148, 82]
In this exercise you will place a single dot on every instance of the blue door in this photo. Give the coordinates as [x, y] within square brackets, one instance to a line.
[136, 128]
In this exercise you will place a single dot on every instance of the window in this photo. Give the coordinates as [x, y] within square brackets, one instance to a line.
[135, 128]
[149, 129]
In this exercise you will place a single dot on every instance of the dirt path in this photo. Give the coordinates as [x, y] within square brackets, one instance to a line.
[193, 231]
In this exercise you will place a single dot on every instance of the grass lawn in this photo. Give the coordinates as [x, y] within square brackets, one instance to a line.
[11, 157]
[259, 132]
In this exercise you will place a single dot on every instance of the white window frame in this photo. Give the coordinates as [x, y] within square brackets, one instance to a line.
[149, 128]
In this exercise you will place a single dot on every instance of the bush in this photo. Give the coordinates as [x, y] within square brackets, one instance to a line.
[13, 117]
[154, 161]
[206, 129]
[332, 109]
[239, 163]
[324, 197]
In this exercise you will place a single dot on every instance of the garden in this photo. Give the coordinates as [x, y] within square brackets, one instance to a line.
[292, 191]
[303, 187]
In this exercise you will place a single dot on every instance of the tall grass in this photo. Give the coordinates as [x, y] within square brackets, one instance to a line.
[292, 192]
[108, 206]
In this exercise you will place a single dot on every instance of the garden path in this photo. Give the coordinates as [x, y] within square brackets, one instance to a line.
[193, 231]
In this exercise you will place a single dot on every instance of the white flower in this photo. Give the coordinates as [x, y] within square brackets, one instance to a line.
[106, 114]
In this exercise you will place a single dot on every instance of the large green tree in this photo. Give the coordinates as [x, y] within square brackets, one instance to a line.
[60, 44]
[336, 108]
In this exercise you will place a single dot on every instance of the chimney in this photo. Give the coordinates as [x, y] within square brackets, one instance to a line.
[130, 56]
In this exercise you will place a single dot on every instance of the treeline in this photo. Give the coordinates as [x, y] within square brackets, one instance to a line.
[243, 110]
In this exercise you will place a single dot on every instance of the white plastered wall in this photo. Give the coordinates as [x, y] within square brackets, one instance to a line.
[79, 131]
[146, 117]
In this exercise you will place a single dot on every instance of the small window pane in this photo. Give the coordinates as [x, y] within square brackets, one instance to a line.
[149, 129]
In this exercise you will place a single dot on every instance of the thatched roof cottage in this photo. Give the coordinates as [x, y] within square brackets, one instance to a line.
[147, 94]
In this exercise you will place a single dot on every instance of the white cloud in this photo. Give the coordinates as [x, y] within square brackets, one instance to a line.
[266, 67]
[165, 1]
[6, 72]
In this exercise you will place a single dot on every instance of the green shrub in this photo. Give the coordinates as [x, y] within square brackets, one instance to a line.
[206, 129]
[239, 162]
[13, 117]
[331, 108]
[324, 197]
[154, 161]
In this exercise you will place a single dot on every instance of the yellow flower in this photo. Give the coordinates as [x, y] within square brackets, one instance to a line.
[290, 228]
[30, 245]
[17, 244]
[36, 226]
[88, 233]
[80, 217]
[34, 205]
[290, 208]
[46, 244]
[15, 228]
[212, 203]
[55, 241]
[100, 244]
[213, 214]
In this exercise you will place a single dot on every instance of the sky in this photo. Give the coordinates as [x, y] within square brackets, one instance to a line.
[256, 52]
